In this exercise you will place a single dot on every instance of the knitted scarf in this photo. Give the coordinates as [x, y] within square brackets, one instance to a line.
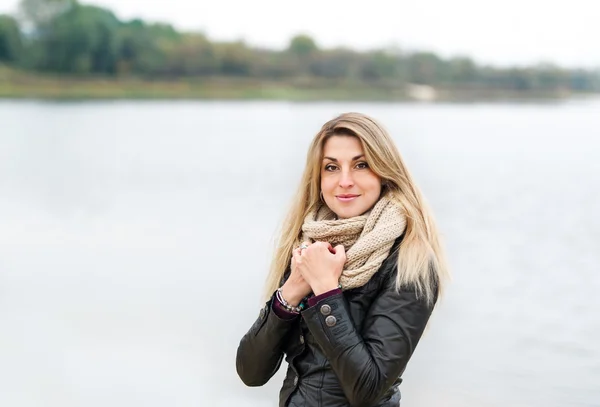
[367, 238]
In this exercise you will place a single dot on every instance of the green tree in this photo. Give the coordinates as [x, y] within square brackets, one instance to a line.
[302, 46]
[11, 42]
[334, 64]
[191, 55]
[82, 40]
[581, 80]
[424, 68]
[520, 79]
[235, 59]
[39, 13]
[461, 70]
[273, 65]
[550, 77]
[380, 65]
[144, 48]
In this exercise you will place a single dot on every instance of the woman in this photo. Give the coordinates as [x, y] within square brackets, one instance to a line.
[357, 272]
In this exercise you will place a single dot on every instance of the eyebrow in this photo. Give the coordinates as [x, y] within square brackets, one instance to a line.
[335, 159]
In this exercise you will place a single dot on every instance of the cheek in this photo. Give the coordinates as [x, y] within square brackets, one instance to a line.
[327, 184]
[372, 184]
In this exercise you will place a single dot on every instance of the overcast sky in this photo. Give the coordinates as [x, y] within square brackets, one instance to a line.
[504, 32]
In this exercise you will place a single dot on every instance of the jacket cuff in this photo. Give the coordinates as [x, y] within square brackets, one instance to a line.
[314, 300]
[281, 312]
[331, 324]
[269, 321]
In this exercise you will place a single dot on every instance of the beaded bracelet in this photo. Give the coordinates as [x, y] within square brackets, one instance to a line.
[291, 308]
[286, 305]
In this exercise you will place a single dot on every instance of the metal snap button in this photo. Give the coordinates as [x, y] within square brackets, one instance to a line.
[330, 320]
[325, 309]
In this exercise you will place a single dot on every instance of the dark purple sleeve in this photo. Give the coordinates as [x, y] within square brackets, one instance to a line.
[280, 311]
[314, 300]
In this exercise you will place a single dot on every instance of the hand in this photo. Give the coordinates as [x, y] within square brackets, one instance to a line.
[321, 266]
[295, 288]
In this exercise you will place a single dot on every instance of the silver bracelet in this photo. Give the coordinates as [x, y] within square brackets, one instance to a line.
[286, 305]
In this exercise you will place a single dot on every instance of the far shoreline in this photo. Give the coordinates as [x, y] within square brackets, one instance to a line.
[26, 86]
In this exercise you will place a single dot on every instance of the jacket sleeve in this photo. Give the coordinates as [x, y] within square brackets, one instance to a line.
[368, 362]
[259, 354]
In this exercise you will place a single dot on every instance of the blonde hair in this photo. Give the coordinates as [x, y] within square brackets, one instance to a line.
[421, 259]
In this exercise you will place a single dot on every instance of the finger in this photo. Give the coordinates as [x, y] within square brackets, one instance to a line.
[305, 245]
[303, 252]
[322, 245]
[340, 252]
[297, 255]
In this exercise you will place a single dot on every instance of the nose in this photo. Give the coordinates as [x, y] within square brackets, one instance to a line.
[346, 180]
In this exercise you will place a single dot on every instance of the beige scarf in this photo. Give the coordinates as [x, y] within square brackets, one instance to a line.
[367, 238]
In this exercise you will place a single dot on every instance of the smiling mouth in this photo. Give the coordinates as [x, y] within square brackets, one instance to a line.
[347, 197]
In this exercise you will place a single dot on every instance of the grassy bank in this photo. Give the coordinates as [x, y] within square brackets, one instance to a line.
[23, 85]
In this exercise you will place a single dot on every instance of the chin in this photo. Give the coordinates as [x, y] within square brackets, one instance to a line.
[345, 213]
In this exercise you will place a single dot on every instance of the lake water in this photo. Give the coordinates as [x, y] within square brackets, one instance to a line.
[135, 239]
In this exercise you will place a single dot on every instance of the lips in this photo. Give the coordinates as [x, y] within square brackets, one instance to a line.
[347, 197]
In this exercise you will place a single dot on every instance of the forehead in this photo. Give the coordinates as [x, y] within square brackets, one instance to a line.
[342, 147]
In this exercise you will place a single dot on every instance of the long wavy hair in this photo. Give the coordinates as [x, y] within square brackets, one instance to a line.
[421, 259]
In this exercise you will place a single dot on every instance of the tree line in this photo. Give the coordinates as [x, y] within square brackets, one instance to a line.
[71, 38]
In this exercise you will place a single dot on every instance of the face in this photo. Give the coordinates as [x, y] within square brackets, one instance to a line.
[349, 186]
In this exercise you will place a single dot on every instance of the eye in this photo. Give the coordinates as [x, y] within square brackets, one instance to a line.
[330, 167]
[362, 165]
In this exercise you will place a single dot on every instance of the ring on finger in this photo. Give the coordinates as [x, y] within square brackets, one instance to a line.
[303, 246]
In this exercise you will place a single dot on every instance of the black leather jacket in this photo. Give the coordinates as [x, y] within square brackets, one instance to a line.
[349, 349]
